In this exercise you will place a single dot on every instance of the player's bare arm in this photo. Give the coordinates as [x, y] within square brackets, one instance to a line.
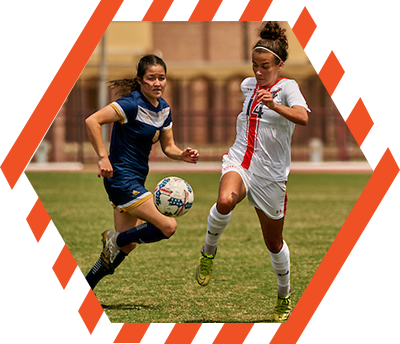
[93, 128]
[295, 114]
[173, 152]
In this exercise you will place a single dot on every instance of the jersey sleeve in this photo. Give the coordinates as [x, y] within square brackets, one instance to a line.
[294, 96]
[126, 108]
[167, 126]
[248, 85]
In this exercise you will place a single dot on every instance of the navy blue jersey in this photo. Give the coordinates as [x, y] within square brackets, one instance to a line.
[140, 127]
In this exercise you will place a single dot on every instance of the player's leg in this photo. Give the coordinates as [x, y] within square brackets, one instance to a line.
[122, 222]
[136, 201]
[270, 199]
[157, 226]
[272, 232]
[129, 211]
[231, 191]
[280, 258]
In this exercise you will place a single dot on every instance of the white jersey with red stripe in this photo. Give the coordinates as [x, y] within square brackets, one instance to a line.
[263, 137]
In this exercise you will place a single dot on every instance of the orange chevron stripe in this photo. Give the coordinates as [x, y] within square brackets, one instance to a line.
[38, 219]
[91, 311]
[64, 266]
[255, 10]
[304, 27]
[359, 122]
[183, 333]
[132, 333]
[157, 10]
[371, 197]
[51, 102]
[233, 333]
[205, 10]
[331, 73]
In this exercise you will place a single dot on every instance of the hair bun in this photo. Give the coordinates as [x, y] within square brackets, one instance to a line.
[273, 38]
[272, 31]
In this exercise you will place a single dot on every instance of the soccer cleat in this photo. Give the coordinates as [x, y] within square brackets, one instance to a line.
[110, 250]
[204, 268]
[283, 308]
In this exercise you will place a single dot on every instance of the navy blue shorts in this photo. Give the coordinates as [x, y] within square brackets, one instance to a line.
[127, 197]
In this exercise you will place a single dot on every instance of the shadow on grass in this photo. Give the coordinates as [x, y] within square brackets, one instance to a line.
[203, 321]
[142, 307]
[137, 307]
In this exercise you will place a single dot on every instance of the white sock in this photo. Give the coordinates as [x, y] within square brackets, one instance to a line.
[217, 222]
[281, 264]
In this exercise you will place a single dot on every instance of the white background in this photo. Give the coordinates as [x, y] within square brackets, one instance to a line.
[362, 304]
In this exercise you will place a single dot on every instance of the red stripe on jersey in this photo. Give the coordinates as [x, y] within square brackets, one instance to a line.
[252, 126]
[252, 122]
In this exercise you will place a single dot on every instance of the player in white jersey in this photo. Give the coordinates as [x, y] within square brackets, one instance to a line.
[258, 163]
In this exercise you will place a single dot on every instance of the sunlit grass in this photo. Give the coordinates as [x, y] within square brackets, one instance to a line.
[156, 282]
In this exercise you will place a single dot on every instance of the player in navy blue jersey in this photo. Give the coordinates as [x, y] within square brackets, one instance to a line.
[141, 118]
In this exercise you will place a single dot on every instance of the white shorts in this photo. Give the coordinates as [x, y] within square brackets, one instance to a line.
[266, 195]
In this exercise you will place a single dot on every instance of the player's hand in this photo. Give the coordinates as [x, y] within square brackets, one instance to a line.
[190, 155]
[266, 98]
[105, 168]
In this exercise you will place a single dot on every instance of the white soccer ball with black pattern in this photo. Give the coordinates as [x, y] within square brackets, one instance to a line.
[173, 196]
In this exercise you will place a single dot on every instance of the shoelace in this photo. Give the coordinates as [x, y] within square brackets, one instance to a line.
[112, 249]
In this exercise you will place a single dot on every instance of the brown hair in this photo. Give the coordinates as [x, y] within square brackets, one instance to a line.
[127, 86]
[273, 37]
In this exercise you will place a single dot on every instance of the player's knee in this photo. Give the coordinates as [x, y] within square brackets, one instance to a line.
[225, 204]
[169, 228]
[274, 246]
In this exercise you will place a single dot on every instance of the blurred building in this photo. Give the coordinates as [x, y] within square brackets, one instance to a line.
[206, 63]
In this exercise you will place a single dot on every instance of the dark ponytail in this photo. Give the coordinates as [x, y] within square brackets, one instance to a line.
[124, 86]
[127, 86]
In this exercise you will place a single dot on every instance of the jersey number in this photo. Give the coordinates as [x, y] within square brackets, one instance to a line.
[257, 110]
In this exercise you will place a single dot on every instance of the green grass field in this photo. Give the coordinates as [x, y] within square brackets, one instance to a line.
[156, 283]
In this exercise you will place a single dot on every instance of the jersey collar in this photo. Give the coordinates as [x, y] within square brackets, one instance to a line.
[269, 87]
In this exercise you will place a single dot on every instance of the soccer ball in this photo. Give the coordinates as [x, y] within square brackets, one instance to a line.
[173, 196]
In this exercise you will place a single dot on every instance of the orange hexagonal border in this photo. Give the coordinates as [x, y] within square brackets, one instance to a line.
[359, 123]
